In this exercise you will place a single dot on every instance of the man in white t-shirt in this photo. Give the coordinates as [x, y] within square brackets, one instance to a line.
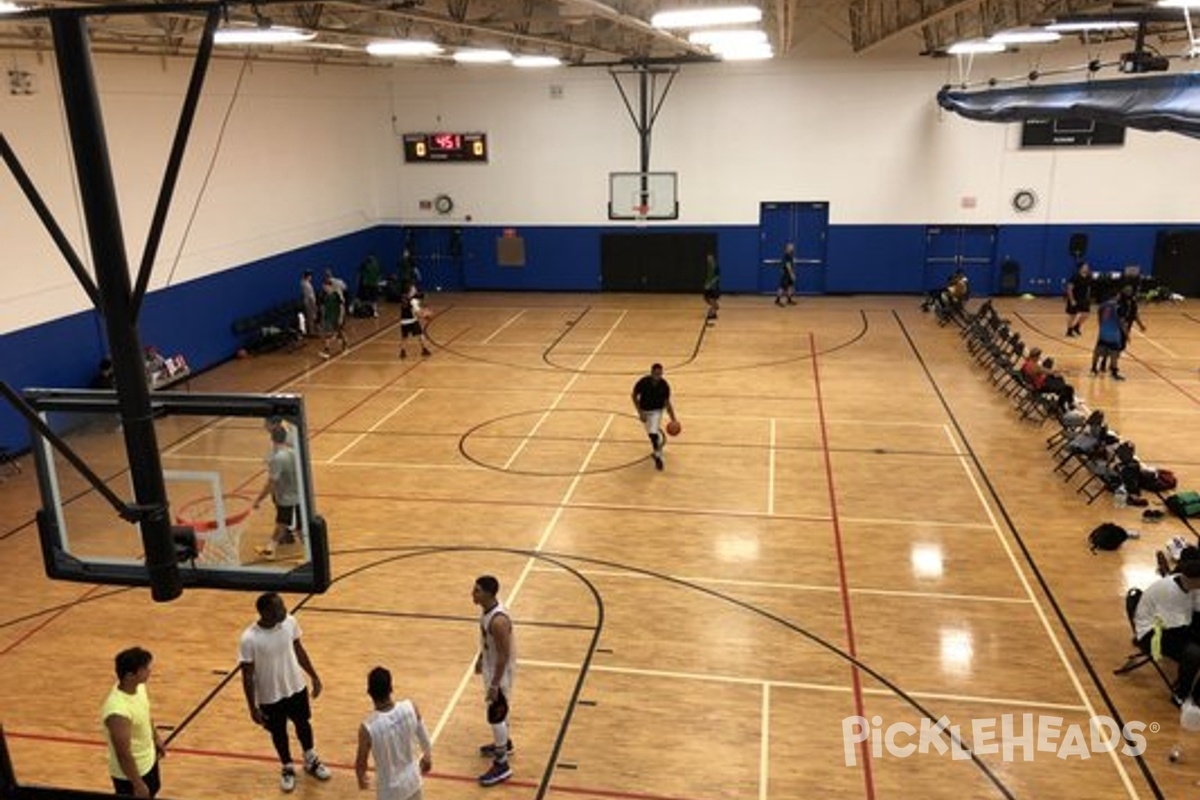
[273, 665]
[1166, 610]
[388, 733]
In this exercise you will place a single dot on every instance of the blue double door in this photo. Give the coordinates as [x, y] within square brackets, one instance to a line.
[806, 226]
[971, 248]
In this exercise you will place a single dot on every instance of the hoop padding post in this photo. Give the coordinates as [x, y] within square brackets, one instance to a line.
[218, 527]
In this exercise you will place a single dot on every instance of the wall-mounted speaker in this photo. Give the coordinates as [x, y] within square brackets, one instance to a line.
[1077, 247]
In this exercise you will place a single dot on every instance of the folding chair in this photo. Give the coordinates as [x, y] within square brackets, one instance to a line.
[1139, 657]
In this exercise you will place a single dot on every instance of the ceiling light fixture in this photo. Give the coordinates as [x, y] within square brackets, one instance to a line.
[403, 47]
[1190, 4]
[704, 17]
[537, 62]
[752, 52]
[973, 47]
[717, 37]
[1025, 36]
[254, 34]
[10, 8]
[473, 56]
[1083, 26]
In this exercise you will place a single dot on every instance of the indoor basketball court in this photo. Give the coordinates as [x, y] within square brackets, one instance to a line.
[852, 525]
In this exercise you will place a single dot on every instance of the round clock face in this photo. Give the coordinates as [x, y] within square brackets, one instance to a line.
[1024, 200]
[443, 204]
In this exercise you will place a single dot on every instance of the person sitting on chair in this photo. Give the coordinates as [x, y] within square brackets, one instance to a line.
[1162, 626]
[1042, 378]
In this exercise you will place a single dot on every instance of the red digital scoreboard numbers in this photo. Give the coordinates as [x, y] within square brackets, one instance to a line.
[420, 148]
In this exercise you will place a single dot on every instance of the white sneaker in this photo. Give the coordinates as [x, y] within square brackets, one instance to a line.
[314, 767]
[287, 779]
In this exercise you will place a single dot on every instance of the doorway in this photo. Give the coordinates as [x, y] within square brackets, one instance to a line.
[806, 226]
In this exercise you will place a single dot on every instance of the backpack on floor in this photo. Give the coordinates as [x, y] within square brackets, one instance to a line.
[1158, 480]
[1185, 504]
[1107, 537]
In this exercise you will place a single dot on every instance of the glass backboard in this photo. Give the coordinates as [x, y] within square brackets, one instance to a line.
[219, 453]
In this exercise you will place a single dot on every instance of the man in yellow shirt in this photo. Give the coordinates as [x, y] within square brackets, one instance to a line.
[134, 746]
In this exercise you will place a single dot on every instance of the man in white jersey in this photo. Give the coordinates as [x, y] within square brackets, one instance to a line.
[388, 733]
[273, 665]
[495, 665]
[1165, 613]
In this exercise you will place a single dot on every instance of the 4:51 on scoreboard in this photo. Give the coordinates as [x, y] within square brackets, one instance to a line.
[427, 147]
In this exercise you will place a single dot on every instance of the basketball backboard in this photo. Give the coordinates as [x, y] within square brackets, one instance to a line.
[643, 195]
[214, 450]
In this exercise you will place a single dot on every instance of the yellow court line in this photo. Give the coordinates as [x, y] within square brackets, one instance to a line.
[736, 680]
[1045, 620]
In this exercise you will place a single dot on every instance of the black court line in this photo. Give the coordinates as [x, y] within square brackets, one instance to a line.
[1028, 556]
[803, 355]
[672, 366]
[1156, 369]
[558, 558]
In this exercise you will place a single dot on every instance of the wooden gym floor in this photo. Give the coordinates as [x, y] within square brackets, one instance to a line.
[847, 486]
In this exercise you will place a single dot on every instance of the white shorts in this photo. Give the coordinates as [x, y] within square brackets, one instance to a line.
[652, 420]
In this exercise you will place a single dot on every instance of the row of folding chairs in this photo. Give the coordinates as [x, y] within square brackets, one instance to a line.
[999, 350]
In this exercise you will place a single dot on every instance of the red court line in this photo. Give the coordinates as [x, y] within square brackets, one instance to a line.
[29, 633]
[271, 759]
[868, 777]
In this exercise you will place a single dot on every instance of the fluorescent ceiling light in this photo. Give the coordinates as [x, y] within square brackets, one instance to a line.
[537, 61]
[403, 47]
[703, 17]
[748, 52]
[1025, 36]
[253, 34]
[717, 37]
[1179, 3]
[470, 56]
[10, 8]
[1081, 26]
[974, 46]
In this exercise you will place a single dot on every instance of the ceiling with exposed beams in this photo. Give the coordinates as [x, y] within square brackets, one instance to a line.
[577, 31]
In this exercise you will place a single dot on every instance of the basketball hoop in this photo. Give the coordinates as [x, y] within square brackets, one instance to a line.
[640, 213]
[217, 522]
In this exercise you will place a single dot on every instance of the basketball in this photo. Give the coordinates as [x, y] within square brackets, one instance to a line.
[674, 428]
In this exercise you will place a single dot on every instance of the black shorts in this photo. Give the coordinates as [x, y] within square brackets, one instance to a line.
[1079, 308]
[151, 779]
[712, 294]
[786, 281]
[410, 328]
[285, 515]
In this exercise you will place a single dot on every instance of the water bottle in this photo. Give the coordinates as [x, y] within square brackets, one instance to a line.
[1120, 497]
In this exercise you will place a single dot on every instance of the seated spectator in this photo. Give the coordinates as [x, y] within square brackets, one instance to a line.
[1162, 625]
[1042, 378]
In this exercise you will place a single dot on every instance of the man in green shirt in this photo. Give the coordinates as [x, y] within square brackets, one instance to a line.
[134, 746]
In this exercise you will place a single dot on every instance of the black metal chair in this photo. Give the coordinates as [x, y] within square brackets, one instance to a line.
[1139, 657]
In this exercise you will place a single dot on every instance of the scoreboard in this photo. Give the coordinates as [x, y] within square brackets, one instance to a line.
[420, 148]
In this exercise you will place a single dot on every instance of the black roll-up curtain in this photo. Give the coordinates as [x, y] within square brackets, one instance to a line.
[1156, 103]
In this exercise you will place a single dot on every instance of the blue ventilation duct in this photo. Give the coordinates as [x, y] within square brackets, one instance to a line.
[1159, 103]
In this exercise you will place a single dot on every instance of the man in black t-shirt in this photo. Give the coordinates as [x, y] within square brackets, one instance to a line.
[651, 395]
